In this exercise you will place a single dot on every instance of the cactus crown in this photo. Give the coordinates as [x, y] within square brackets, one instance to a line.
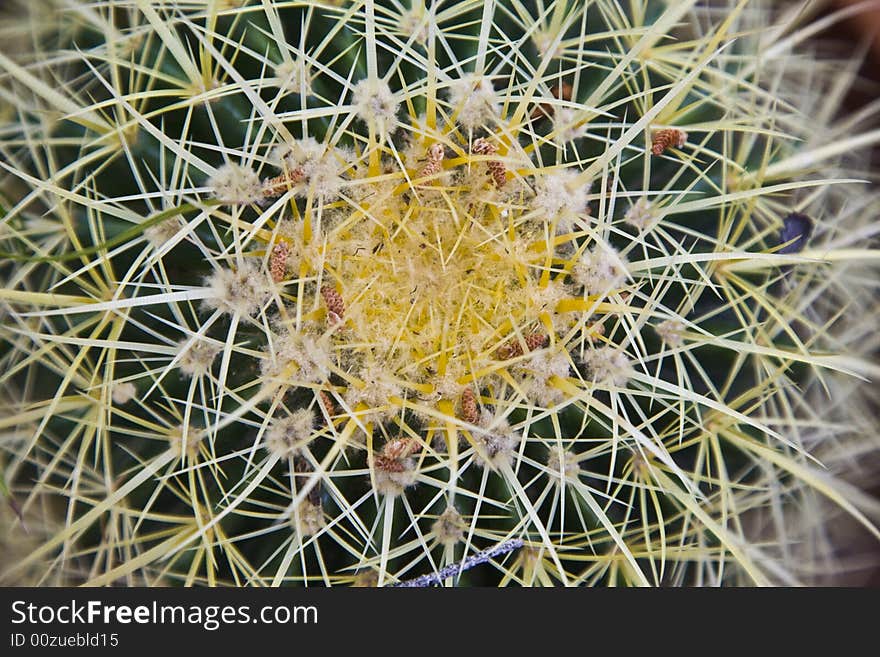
[347, 292]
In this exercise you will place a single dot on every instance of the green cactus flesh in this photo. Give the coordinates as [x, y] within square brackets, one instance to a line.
[345, 293]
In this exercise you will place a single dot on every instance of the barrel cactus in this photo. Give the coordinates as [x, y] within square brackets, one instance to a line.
[367, 292]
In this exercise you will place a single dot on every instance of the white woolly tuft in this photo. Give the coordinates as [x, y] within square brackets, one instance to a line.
[236, 185]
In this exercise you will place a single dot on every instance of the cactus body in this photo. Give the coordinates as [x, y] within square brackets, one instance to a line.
[346, 293]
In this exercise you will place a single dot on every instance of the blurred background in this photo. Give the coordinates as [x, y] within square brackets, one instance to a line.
[858, 30]
[865, 24]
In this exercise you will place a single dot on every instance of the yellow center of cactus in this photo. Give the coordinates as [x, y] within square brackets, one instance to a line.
[433, 276]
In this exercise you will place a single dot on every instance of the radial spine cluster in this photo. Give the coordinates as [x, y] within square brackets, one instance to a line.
[348, 293]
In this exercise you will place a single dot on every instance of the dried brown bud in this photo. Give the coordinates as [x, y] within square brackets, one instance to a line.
[435, 159]
[666, 138]
[470, 413]
[326, 402]
[509, 350]
[399, 448]
[280, 184]
[513, 348]
[335, 304]
[536, 340]
[482, 146]
[388, 464]
[496, 168]
[278, 261]
[498, 173]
